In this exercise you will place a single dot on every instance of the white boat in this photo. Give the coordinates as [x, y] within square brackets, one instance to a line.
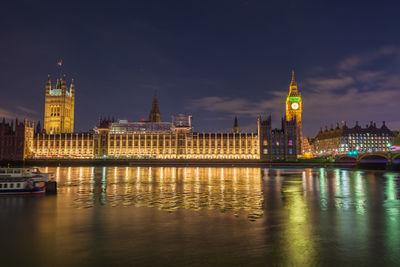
[16, 181]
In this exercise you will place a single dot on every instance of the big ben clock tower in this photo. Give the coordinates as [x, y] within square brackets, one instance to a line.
[294, 109]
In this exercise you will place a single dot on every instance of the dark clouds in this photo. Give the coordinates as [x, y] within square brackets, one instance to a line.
[348, 91]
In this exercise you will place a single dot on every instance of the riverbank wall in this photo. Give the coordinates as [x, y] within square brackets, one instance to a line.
[172, 163]
[312, 163]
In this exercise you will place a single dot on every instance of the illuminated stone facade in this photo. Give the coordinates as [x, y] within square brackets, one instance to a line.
[183, 146]
[59, 107]
[294, 109]
[344, 140]
[162, 140]
[71, 146]
[146, 140]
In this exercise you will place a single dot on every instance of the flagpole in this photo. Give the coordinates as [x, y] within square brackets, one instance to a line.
[59, 64]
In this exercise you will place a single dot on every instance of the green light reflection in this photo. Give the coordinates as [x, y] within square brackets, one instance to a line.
[392, 217]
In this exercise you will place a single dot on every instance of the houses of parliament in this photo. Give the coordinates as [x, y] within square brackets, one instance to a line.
[151, 139]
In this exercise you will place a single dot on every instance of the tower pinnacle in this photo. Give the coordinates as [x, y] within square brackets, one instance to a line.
[293, 81]
[293, 84]
[155, 114]
[235, 126]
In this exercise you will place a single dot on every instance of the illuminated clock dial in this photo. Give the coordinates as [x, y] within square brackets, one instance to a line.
[295, 105]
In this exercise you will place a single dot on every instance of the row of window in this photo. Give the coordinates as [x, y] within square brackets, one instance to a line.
[174, 137]
[367, 136]
[320, 150]
[142, 143]
[10, 185]
[278, 142]
[55, 111]
[51, 143]
[67, 152]
[186, 152]
[88, 143]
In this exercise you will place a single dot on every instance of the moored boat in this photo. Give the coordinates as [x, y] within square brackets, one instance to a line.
[20, 181]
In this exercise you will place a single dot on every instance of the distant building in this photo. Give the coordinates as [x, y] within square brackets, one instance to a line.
[342, 140]
[16, 140]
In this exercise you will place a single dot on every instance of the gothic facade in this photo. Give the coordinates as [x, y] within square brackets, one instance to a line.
[155, 139]
[278, 144]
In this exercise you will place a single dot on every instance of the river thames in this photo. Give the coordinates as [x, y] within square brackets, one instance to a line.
[166, 216]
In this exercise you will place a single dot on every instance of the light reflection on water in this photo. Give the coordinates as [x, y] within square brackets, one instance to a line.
[165, 188]
[208, 216]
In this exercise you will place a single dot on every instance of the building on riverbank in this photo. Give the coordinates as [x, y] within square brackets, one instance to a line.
[342, 140]
[170, 140]
[16, 139]
[162, 140]
[154, 139]
[278, 144]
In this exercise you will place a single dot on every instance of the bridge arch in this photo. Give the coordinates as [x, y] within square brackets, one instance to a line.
[373, 161]
[346, 159]
[396, 158]
[396, 161]
[373, 157]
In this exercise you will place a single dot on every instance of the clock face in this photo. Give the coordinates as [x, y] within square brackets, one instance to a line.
[295, 105]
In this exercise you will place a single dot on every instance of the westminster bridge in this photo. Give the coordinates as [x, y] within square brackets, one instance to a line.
[384, 160]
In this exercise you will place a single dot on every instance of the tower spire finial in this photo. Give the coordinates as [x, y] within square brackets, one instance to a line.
[293, 84]
[235, 125]
[155, 114]
[293, 80]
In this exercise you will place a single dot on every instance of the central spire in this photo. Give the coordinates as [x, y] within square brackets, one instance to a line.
[155, 114]
[293, 84]
[293, 81]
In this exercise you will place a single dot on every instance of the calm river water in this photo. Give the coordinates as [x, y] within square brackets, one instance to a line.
[155, 216]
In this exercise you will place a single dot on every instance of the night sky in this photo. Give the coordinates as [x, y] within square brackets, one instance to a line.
[212, 59]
